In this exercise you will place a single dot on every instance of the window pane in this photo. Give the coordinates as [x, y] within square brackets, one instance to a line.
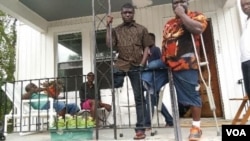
[70, 47]
[70, 59]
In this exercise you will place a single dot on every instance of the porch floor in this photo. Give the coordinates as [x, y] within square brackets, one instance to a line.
[167, 134]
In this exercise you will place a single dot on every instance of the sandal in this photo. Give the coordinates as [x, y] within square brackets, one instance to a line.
[139, 135]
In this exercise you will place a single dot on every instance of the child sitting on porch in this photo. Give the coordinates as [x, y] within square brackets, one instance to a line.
[33, 92]
[53, 88]
[87, 95]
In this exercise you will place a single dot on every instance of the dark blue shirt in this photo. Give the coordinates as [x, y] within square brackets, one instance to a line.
[155, 54]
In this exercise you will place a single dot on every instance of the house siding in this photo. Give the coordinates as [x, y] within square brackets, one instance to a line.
[33, 54]
[36, 52]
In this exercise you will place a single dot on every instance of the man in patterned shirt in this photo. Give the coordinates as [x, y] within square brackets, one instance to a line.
[178, 54]
[132, 43]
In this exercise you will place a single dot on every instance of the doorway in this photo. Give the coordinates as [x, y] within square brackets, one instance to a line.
[210, 51]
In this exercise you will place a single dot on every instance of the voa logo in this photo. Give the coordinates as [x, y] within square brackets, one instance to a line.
[236, 132]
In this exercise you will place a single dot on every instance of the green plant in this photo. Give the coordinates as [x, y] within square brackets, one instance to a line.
[74, 122]
[7, 47]
[7, 59]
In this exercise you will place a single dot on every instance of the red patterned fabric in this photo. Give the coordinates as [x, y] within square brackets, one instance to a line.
[177, 42]
[52, 92]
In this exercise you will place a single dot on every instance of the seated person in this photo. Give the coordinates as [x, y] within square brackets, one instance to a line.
[53, 88]
[153, 79]
[87, 95]
[33, 92]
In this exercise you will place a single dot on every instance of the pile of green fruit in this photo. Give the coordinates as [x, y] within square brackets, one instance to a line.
[74, 122]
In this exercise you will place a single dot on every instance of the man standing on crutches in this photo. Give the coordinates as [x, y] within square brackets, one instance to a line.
[178, 54]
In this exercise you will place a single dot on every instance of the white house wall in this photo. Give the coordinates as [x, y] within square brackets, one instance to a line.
[226, 42]
[34, 57]
[37, 54]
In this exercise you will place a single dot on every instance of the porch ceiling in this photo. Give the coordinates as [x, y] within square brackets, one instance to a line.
[38, 13]
[52, 10]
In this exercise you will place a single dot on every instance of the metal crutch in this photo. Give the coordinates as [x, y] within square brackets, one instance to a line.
[149, 92]
[118, 90]
[208, 83]
[175, 108]
[153, 132]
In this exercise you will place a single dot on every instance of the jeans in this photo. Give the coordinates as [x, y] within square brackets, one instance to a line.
[186, 86]
[154, 77]
[59, 106]
[164, 111]
[135, 79]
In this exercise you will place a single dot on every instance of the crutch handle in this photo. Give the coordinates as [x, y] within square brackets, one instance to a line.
[203, 63]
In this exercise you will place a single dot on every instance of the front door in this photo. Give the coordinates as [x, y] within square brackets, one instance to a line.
[210, 51]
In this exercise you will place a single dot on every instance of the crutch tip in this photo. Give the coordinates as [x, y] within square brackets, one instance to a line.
[153, 133]
[121, 135]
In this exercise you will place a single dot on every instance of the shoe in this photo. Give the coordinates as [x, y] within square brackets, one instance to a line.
[169, 125]
[139, 135]
[79, 113]
[195, 134]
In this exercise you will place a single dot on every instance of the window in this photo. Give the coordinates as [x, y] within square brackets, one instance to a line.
[70, 59]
